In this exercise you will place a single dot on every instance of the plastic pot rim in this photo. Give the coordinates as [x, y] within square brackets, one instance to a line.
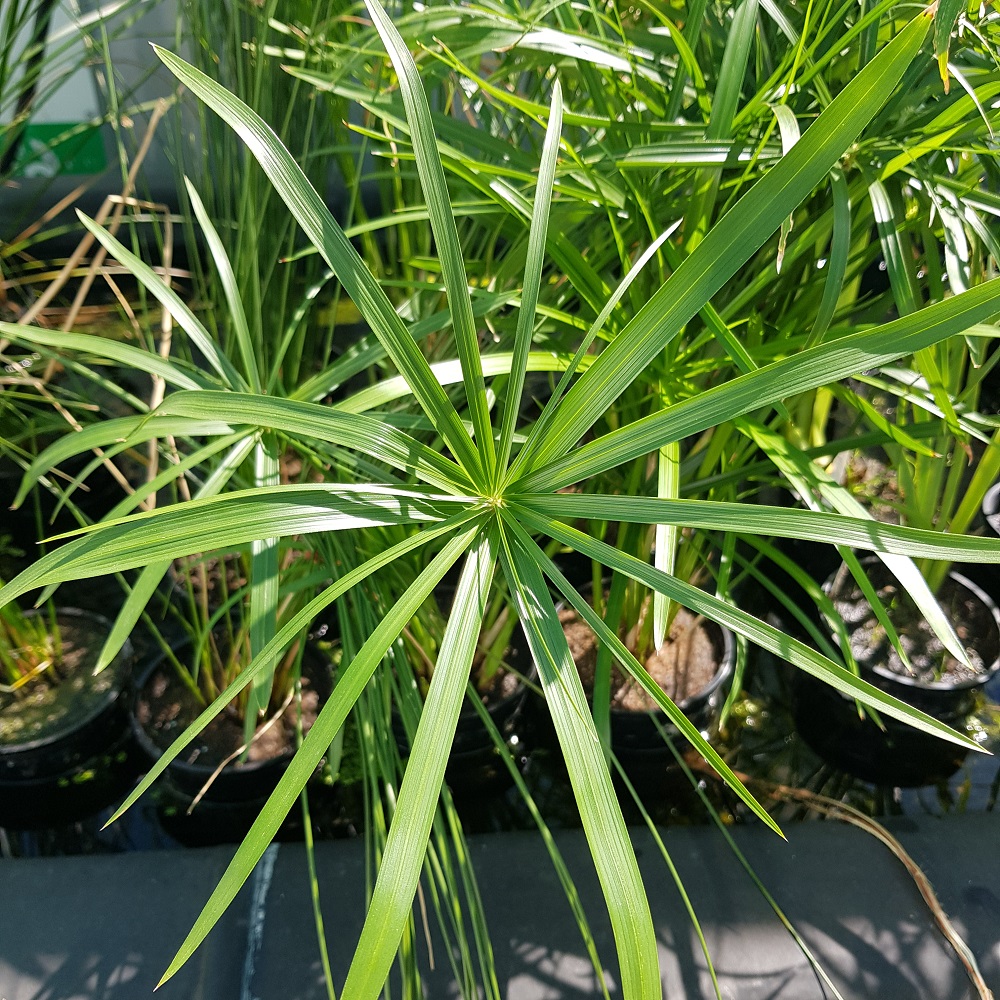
[968, 684]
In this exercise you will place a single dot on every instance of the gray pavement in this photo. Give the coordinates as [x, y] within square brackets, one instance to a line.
[104, 928]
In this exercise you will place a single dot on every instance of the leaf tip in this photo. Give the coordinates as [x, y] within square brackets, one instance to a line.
[772, 823]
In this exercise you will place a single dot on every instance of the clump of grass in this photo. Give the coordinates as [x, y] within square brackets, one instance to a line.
[30, 649]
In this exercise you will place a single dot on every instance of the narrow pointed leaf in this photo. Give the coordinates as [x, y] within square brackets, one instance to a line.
[121, 431]
[668, 475]
[836, 263]
[945, 18]
[269, 654]
[170, 301]
[263, 586]
[230, 521]
[313, 421]
[319, 225]
[199, 458]
[804, 473]
[532, 275]
[132, 358]
[757, 631]
[854, 529]
[581, 359]
[151, 575]
[230, 288]
[139, 596]
[807, 370]
[367, 352]
[732, 241]
[328, 723]
[450, 372]
[600, 813]
[607, 637]
[442, 220]
[403, 855]
[739, 41]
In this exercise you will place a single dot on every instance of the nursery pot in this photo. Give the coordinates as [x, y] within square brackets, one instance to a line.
[987, 575]
[635, 732]
[162, 709]
[64, 751]
[991, 511]
[504, 706]
[472, 749]
[899, 754]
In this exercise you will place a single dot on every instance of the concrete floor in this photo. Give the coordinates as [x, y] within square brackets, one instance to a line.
[105, 927]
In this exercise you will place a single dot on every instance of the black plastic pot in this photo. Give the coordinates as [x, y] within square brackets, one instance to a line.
[987, 575]
[897, 755]
[68, 756]
[472, 741]
[471, 737]
[229, 806]
[472, 759]
[991, 512]
[236, 783]
[636, 735]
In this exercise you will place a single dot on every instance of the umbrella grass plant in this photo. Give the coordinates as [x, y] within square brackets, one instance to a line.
[943, 448]
[666, 129]
[491, 494]
[954, 470]
[925, 195]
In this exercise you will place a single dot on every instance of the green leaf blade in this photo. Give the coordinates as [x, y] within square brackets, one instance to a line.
[402, 858]
[312, 421]
[854, 528]
[603, 824]
[442, 219]
[732, 241]
[267, 657]
[230, 288]
[820, 365]
[263, 586]
[170, 301]
[606, 636]
[532, 275]
[758, 632]
[319, 225]
[231, 521]
[317, 742]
